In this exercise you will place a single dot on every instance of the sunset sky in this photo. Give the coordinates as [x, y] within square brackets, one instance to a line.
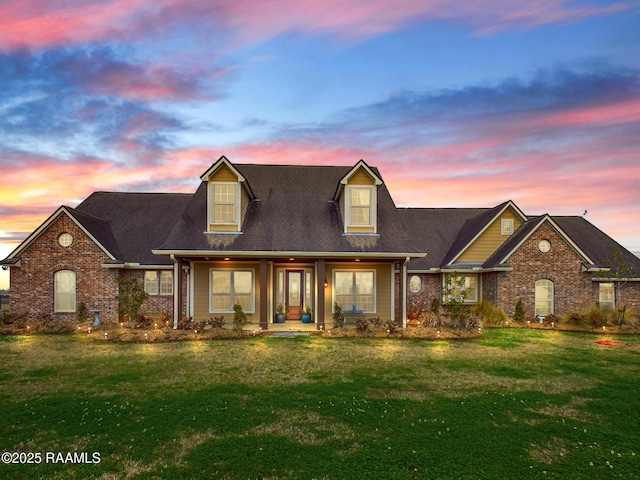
[458, 103]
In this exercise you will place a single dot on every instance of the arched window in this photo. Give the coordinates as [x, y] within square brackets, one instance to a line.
[544, 297]
[65, 291]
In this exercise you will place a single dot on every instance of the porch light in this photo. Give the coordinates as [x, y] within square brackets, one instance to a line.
[326, 284]
[226, 259]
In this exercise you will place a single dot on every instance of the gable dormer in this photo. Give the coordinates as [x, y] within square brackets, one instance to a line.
[357, 196]
[492, 232]
[228, 197]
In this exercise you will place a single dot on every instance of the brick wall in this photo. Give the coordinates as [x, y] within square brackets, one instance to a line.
[32, 284]
[573, 289]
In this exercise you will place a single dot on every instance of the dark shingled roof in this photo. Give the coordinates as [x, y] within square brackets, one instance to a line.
[130, 225]
[435, 230]
[599, 246]
[293, 210]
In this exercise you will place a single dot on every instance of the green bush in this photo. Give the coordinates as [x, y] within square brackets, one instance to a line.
[338, 316]
[518, 314]
[239, 317]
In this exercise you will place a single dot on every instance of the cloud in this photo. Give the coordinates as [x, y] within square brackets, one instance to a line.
[51, 23]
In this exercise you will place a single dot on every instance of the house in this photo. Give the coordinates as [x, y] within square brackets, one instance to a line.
[308, 237]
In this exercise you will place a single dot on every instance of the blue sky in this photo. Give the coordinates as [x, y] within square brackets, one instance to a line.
[459, 104]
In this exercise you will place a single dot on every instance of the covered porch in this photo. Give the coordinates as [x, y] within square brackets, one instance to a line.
[208, 286]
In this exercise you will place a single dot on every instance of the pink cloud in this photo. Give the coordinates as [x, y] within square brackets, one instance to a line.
[40, 23]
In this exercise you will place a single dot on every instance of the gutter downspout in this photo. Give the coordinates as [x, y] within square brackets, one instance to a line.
[403, 286]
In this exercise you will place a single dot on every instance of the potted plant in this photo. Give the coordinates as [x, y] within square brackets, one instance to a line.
[306, 315]
[280, 315]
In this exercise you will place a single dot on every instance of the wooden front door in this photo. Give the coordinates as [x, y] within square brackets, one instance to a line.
[293, 294]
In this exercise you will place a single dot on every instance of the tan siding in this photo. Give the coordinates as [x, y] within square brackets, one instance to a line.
[361, 230]
[223, 174]
[244, 205]
[220, 227]
[490, 240]
[361, 177]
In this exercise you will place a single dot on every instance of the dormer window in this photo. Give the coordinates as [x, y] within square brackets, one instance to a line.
[224, 203]
[358, 197]
[228, 197]
[361, 206]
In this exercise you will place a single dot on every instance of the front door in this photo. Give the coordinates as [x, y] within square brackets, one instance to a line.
[293, 294]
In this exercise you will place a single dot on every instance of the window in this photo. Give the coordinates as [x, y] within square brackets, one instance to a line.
[155, 284]
[506, 226]
[415, 284]
[354, 290]
[360, 210]
[65, 239]
[151, 282]
[65, 291]
[463, 288]
[544, 297]
[224, 202]
[607, 297]
[166, 282]
[229, 287]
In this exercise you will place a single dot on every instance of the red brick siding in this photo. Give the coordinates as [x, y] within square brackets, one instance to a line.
[573, 289]
[32, 285]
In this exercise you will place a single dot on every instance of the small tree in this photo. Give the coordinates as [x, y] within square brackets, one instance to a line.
[620, 272]
[239, 317]
[338, 316]
[518, 315]
[131, 296]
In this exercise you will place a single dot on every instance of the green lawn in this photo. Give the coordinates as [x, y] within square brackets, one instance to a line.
[514, 404]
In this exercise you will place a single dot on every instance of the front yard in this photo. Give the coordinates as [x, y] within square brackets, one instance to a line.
[513, 403]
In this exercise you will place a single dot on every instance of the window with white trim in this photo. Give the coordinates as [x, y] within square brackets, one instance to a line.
[355, 290]
[229, 287]
[461, 287]
[65, 291]
[415, 284]
[506, 226]
[151, 282]
[544, 297]
[224, 203]
[607, 297]
[361, 206]
[158, 284]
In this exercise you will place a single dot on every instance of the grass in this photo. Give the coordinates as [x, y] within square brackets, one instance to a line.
[512, 404]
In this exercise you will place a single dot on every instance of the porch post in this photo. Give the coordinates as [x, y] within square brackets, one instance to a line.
[320, 290]
[178, 297]
[264, 300]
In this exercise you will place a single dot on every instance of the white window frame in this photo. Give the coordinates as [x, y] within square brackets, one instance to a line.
[232, 293]
[211, 202]
[166, 284]
[604, 302]
[373, 211]
[56, 299]
[506, 226]
[412, 283]
[354, 273]
[151, 284]
[550, 286]
[465, 276]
